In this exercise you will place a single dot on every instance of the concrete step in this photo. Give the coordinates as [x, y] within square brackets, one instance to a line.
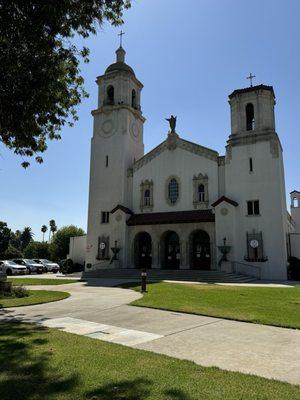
[176, 275]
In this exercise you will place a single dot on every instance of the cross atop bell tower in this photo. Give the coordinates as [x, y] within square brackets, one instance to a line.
[251, 78]
[121, 35]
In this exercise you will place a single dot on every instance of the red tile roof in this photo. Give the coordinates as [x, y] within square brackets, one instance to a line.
[224, 198]
[123, 208]
[174, 217]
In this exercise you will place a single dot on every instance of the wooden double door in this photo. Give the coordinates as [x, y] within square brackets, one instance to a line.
[143, 251]
[172, 251]
[200, 251]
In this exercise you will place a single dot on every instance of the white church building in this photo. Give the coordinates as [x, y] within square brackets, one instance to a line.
[182, 205]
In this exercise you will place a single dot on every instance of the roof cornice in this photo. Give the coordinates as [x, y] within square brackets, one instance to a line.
[171, 143]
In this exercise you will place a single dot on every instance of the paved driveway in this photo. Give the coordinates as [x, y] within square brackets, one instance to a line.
[103, 313]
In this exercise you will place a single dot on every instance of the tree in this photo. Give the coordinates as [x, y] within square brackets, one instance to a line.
[60, 242]
[44, 230]
[53, 228]
[26, 237]
[37, 250]
[40, 82]
[15, 239]
[12, 252]
[5, 233]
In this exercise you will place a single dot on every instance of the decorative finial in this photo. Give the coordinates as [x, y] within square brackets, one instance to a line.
[251, 77]
[172, 122]
[121, 34]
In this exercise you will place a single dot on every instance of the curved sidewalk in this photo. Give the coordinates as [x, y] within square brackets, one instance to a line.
[103, 313]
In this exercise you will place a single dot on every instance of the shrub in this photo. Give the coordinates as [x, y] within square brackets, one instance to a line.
[8, 290]
[66, 266]
[19, 291]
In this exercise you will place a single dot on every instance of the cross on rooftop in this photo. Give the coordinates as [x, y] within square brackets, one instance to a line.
[121, 34]
[251, 78]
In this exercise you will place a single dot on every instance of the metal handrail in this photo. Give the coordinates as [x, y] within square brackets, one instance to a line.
[235, 265]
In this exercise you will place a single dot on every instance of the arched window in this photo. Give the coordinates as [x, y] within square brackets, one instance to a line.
[110, 95]
[147, 198]
[250, 121]
[201, 193]
[173, 191]
[133, 98]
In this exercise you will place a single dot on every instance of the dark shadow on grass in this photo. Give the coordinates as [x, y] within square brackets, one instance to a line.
[26, 373]
[137, 389]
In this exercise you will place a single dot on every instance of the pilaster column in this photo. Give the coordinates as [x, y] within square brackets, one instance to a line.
[183, 255]
[155, 254]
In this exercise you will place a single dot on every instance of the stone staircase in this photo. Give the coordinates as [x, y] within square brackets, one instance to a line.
[174, 275]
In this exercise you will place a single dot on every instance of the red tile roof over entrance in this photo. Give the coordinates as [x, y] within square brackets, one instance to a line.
[174, 217]
[224, 198]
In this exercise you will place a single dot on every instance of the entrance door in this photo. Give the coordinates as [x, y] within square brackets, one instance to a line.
[200, 251]
[172, 251]
[143, 250]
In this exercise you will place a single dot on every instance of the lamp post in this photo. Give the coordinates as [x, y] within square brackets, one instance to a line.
[143, 280]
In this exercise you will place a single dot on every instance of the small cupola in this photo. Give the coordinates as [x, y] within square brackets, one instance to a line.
[118, 86]
[120, 64]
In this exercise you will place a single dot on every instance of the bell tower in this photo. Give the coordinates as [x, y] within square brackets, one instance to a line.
[252, 110]
[116, 143]
[254, 178]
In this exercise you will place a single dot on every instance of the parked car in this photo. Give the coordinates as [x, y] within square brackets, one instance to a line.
[11, 268]
[31, 265]
[49, 266]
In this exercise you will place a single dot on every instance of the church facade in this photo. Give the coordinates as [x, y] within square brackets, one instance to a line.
[182, 205]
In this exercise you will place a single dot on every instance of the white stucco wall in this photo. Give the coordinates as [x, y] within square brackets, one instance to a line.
[179, 163]
[266, 184]
[118, 135]
[77, 248]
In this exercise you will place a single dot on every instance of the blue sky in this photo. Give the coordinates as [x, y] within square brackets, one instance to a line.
[190, 55]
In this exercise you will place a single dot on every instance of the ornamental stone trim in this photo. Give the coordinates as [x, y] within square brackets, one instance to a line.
[244, 138]
[107, 109]
[180, 143]
[146, 185]
[124, 74]
[198, 180]
[221, 160]
[167, 190]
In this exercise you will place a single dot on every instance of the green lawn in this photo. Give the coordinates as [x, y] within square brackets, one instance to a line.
[269, 306]
[40, 281]
[46, 364]
[35, 297]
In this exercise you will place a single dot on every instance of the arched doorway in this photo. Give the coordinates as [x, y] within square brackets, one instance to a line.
[170, 250]
[143, 250]
[200, 250]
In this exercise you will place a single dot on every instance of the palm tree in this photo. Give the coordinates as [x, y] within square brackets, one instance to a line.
[44, 230]
[53, 228]
[26, 237]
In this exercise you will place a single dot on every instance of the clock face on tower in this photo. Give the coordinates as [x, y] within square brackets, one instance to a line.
[134, 130]
[105, 127]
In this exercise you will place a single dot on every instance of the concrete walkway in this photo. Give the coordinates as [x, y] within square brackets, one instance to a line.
[103, 313]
